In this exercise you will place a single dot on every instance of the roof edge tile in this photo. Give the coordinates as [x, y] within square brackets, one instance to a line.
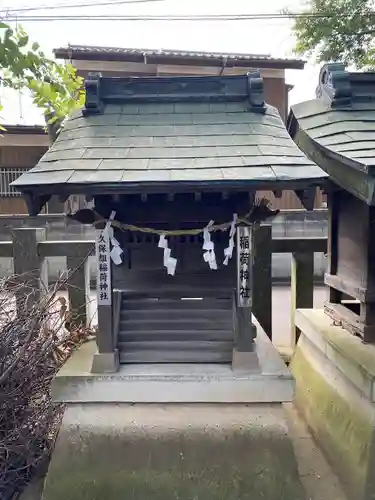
[230, 59]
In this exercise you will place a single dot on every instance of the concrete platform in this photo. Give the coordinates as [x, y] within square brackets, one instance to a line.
[335, 376]
[267, 379]
[189, 432]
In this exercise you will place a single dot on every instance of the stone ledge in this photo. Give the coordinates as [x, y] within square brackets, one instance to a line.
[267, 381]
[354, 359]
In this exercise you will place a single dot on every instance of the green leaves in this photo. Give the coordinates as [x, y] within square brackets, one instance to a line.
[55, 88]
[338, 30]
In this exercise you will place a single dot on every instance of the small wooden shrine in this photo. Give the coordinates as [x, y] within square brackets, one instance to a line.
[172, 166]
[337, 131]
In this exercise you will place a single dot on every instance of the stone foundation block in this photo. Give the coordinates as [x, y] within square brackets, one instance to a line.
[169, 452]
[107, 362]
[335, 375]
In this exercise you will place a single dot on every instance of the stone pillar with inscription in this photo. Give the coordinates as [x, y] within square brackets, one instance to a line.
[106, 360]
[245, 330]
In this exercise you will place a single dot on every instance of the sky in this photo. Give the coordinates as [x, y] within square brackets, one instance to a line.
[273, 37]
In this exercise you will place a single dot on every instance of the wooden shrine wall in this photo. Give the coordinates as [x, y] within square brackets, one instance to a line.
[143, 269]
[143, 266]
[355, 241]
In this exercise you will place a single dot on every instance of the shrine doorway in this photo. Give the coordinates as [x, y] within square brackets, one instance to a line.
[184, 318]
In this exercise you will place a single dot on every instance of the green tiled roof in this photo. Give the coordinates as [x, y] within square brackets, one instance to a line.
[136, 145]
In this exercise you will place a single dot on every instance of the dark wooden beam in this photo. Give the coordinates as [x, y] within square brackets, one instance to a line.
[35, 203]
[189, 208]
[290, 245]
[62, 198]
[302, 286]
[307, 197]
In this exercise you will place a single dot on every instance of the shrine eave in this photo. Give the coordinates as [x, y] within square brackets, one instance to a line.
[337, 129]
[148, 135]
[37, 196]
[174, 187]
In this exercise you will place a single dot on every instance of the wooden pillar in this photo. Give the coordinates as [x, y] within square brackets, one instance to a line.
[104, 292]
[106, 360]
[79, 289]
[262, 277]
[335, 296]
[302, 286]
[30, 270]
[244, 341]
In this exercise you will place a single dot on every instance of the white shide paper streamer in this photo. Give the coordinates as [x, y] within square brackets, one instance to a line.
[169, 262]
[116, 251]
[209, 247]
[228, 252]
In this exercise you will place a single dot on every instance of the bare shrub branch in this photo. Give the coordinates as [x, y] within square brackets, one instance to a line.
[32, 350]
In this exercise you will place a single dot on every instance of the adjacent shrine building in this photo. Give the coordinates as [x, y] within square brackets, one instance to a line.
[334, 360]
[337, 130]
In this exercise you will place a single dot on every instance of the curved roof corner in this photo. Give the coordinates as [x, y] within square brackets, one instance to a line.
[337, 128]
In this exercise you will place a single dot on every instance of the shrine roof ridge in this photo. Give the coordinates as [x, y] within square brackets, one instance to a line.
[339, 87]
[116, 90]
